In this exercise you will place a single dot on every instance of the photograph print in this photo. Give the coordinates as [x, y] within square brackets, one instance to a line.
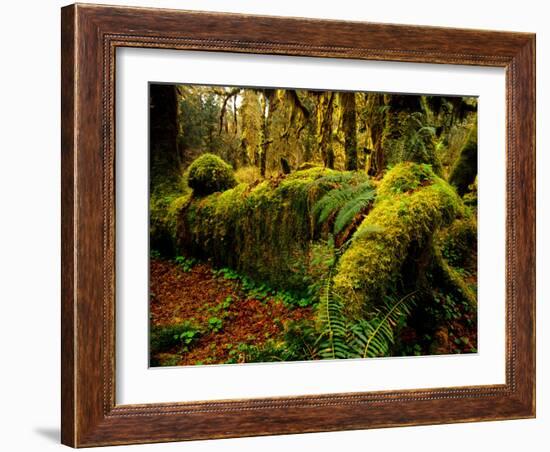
[297, 224]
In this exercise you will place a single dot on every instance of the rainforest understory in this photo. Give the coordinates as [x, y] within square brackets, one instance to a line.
[290, 225]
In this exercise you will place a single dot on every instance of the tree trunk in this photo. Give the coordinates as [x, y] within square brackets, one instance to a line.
[325, 108]
[376, 120]
[350, 129]
[268, 107]
[163, 151]
[464, 171]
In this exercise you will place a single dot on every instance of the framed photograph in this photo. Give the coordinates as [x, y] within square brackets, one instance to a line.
[281, 225]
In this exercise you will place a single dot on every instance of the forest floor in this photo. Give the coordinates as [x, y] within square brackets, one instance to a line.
[199, 315]
[216, 313]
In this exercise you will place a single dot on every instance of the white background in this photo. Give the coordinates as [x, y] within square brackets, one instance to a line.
[137, 384]
[29, 230]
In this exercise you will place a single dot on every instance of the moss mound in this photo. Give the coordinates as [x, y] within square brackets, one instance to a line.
[209, 174]
[412, 204]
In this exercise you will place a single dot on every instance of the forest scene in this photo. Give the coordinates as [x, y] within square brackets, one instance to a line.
[297, 224]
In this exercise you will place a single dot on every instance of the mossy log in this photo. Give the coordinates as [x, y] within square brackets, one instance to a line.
[412, 204]
[268, 230]
[264, 230]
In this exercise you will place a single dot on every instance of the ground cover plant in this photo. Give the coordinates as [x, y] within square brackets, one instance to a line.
[294, 225]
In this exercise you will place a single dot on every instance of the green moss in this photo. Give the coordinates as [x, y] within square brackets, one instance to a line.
[209, 174]
[405, 177]
[458, 242]
[265, 231]
[163, 215]
[451, 281]
[308, 165]
[412, 203]
[464, 171]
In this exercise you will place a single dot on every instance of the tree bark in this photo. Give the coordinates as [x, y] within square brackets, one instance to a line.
[268, 107]
[376, 120]
[325, 108]
[350, 129]
[464, 171]
[163, 151]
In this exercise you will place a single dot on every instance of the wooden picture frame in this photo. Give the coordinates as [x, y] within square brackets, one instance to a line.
[90, 36]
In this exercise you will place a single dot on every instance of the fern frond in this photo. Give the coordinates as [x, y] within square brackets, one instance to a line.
[342, 338]
[332, 202]
[347, 201]
[332, 342]
[374, 337]
[353, 207]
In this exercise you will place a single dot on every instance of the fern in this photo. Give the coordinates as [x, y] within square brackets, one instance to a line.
[346, 201]
[342, 338]
[332, 343]
[375, 337]
[354, 206]
[332, 202]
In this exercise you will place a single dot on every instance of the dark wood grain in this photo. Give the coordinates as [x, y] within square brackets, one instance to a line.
[90, 36]
[67, 226]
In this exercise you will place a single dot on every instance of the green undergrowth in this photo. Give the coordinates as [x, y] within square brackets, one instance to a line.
[458, 241]
[179, 337]
[297, 343]
[264, 292]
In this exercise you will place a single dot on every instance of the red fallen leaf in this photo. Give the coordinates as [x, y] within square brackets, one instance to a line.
[194, 296]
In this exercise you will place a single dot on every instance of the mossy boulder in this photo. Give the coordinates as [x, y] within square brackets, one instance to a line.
[412, 204]
[209, 174]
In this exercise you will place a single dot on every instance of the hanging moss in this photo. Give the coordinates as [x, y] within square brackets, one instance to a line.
[412, 203]
[163, 214]
[209, 174]
[470, 197]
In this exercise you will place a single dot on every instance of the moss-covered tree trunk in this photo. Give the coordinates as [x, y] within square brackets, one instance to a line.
[165, 166]
[376, 120]
[464, 171]
[412, 204]
[163, 110]
[269, 104]
[347, 100]
[325, 109]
